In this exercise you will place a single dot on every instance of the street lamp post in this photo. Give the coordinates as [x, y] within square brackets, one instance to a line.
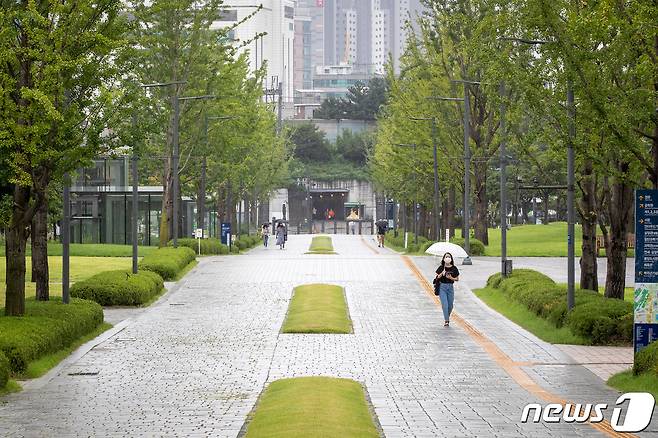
[503, 188]
[413, 145]
[571, 249]
[437, 211]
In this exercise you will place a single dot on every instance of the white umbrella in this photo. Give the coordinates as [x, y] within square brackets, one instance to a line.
[440, 248]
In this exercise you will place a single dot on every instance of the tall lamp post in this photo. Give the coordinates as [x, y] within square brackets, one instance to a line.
[437, 212]
[202, 189]
[413, 145]
[571, 248]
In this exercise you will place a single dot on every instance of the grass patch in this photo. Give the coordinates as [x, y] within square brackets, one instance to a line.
[318, 308]
[12, 386]
[45, 363]
[81, 268]
[312, 406]
[627, 382]
[92, 250]
[321, 245]
[521, 315]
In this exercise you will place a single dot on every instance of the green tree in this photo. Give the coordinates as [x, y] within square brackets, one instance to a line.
[354, 147]
[310, 143]
[57, 62]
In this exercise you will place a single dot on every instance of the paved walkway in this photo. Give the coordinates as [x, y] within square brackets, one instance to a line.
[195, 363]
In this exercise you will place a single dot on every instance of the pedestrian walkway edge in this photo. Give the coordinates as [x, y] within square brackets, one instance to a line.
[504, 361]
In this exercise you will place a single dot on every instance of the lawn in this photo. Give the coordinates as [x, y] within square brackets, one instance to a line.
[317, 308]
[321, 245]
[312, 406]
[627, 382]
[81, 268]
[520, 314]
[91, 250]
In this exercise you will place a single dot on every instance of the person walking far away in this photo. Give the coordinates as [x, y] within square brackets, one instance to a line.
[266, 234]
[382, 225]
[444, 285]
[280, 236]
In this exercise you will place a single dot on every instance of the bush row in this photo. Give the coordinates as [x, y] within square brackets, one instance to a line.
[602, 320]
[246, 242]
[210, 246]
[48, 326]
[119, 288]
[4, 370]
[647, 360]
[168, 262]
[477, 247]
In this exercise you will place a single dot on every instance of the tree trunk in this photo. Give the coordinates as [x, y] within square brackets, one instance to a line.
[545, 200]
[422, 221]
[481, 204]
[39, 234]
[588, 267]
[166, 229]
[15, 244]
[620, 206]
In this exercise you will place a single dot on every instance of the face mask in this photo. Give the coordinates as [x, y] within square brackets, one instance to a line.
[448, 260]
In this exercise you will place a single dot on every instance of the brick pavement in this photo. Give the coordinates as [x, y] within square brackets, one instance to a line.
[195, 363]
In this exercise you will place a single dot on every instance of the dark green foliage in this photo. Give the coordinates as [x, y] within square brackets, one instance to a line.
[4, 370]
[602, 320]
[363, 102]
[119, 288]
[168, 262]
[477, 247]
[48, 326]
[354, 147]
[310, 143]
[647, 360]
[208, 246]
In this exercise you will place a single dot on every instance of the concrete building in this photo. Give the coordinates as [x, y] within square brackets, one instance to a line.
[277, 18]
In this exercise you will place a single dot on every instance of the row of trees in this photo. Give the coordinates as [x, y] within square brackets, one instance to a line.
[522, 56]
[70, 89]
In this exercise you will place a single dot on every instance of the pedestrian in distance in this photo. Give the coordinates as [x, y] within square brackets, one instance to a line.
[381, 232]
[280, 235]
[444, 285]
[266, 234]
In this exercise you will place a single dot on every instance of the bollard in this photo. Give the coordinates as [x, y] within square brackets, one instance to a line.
[335, 227]
[323, 226]
[360, 224]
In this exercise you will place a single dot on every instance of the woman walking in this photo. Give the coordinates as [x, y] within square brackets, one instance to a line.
[266, 234]
[446, 275]
[280, 235]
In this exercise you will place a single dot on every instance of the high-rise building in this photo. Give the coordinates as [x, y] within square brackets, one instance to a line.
[277, 18]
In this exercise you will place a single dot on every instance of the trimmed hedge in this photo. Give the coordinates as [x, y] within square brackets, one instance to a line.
[477, 247]
[647, 360]
[168, 262]
[210, 246]
[603, 321]
[4, 370]
[48, 326]
[119, 288]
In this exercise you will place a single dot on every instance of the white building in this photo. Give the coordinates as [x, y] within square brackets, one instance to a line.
[276, 18]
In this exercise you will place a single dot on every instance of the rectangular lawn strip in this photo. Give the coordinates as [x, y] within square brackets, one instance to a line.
[91, 250]
[312, 406]
[318, 308]
[527, 319]
[321, 245]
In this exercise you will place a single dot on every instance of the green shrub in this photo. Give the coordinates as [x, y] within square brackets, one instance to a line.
[647, 360]
[210, 246]
[426, 245]
[477, 247]
[412, 247]
[603, 320]
[119, 288]
[235, 249]
[168, 262]
[47, 327]
[4, 370]
[223, 249]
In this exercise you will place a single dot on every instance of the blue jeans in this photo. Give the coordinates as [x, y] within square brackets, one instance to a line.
[447, 297]
[265, 239]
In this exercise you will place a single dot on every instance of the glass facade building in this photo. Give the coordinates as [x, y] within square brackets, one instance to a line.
[101, 206]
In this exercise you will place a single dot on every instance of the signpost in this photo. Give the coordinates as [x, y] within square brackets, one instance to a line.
[645, 329]
[198, 233]
[226, 234]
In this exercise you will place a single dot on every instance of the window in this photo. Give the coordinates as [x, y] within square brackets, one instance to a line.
[228, 15]
[289, 11]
